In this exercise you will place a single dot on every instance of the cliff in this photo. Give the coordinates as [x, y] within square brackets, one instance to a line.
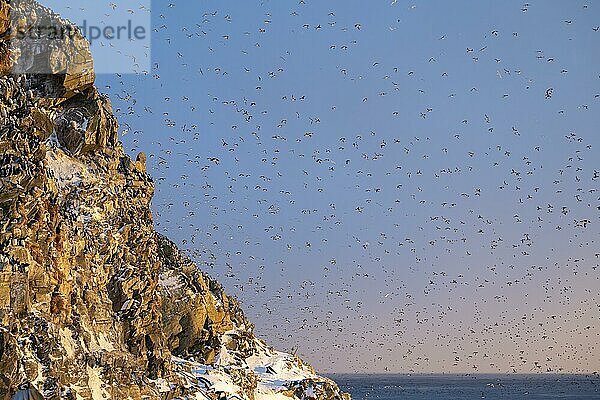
[94, 303]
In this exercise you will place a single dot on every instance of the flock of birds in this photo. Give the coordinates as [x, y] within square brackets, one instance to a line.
[386, 187]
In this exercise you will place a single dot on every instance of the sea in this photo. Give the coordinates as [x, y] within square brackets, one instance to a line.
[505, 387]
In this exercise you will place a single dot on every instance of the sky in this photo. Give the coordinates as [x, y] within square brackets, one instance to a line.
[386, 186]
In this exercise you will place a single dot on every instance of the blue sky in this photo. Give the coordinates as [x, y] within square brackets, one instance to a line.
[386, 186]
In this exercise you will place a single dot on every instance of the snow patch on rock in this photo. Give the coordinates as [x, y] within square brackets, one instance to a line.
[65, 169]
[276, 373]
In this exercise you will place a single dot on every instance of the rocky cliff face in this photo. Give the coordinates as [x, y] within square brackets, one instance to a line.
[94, 304]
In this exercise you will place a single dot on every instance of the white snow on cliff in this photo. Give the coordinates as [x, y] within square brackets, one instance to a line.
[65, 169]
[275, 372]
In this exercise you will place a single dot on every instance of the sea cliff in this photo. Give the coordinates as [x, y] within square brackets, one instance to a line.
[94, 303]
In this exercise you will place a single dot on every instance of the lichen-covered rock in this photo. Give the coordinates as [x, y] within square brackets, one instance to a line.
[196, 311]
[94, 304]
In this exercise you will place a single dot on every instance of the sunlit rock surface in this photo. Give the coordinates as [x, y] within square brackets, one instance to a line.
[94, 304]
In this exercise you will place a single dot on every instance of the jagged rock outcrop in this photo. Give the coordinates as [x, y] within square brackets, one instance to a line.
[94, 304]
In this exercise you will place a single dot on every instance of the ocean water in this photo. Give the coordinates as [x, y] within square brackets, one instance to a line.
[506, 387]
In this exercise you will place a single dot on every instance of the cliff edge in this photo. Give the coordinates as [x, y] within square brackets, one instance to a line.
[94, 303]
